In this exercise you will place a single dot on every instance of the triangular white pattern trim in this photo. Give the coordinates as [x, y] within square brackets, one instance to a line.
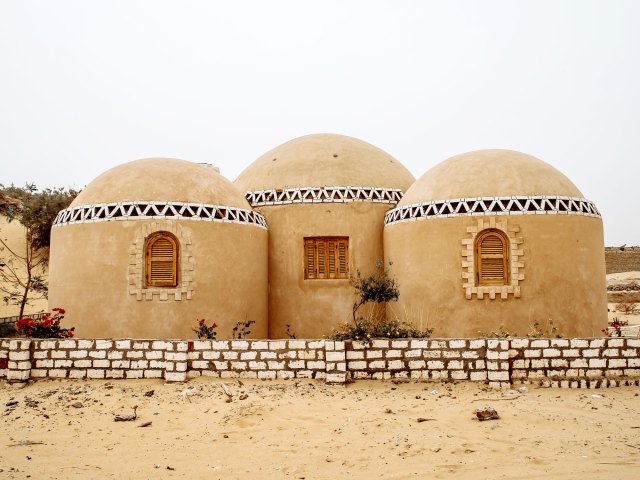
[480, 206]
[336, 194]
[105, 212]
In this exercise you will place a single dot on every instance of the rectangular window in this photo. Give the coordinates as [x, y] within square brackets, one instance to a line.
[326, 257]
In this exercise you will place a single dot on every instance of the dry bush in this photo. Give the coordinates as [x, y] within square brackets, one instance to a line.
[626, 308]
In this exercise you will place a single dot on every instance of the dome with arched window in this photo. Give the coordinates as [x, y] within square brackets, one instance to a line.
[152, 245]
[498, 239]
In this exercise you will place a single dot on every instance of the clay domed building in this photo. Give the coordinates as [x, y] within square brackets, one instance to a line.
[497, 237]
[484, 239]
[151, 246]
[324, 198]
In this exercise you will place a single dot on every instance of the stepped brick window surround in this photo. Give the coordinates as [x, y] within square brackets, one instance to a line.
[161, 260]
[326, 258]
[492, 259]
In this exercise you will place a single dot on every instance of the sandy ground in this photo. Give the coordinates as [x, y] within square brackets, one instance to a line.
[309, 430]
[623, 278]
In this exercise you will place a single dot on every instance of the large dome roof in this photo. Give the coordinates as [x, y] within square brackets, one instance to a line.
[161, 179]
[323, 160]
[489, 173]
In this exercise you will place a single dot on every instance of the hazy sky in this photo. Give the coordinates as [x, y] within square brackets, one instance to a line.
[86, 85]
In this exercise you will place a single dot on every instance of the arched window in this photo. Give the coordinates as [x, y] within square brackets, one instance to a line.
[492, 258]
[161, 260]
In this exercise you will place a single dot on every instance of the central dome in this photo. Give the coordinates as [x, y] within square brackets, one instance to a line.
[323, 160]
[489, 173]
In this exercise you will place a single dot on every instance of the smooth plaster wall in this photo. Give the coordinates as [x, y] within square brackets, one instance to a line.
[314, 308]
[489, 173]
[161, 179]
[324, 160]
[564, 277]
[89, 278]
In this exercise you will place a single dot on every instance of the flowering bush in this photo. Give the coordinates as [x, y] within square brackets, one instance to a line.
[203, 331]
[47, 326]
[614, 329]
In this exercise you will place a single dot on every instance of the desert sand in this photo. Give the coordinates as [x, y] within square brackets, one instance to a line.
[631, 319]
[310, 430]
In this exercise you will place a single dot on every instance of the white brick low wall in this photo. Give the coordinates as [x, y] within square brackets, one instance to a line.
[577, 363]
[172, 360]
[440, 359]
[268, 359]
[4, 357]
[588, 362]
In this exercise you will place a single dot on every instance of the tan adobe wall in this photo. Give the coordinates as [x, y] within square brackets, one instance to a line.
[314, 308]
[627, 260]
[96, 275]
[560, 275]
[568, 363]
[14, 234]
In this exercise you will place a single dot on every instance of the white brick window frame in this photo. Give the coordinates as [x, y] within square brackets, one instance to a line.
[186, 268]
[516, 260]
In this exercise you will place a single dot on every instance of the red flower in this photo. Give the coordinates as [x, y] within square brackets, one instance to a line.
[201, 322]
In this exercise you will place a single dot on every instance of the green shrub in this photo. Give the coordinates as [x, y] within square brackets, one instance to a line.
[8, 330]
[366, 330]
[242, 329]
[376, 288]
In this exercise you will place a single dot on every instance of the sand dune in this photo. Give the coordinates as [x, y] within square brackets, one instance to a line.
[309, 430]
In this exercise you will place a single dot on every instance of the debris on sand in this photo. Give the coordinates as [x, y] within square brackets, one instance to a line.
[227, 392]
[25, 443]
[127, 418]
[487, 413]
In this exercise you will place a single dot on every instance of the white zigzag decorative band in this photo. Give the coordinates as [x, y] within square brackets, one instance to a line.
[532, 205]
[104, 212]
[261, 198]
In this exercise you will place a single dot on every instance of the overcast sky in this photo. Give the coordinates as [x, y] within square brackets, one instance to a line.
[86, 85]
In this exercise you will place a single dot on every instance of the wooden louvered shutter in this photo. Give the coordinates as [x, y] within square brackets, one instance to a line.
[492, 266]
[343, 258]
[310, 257]
[321, 250]
[162, 261]
[326, 257]
[331, 260]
